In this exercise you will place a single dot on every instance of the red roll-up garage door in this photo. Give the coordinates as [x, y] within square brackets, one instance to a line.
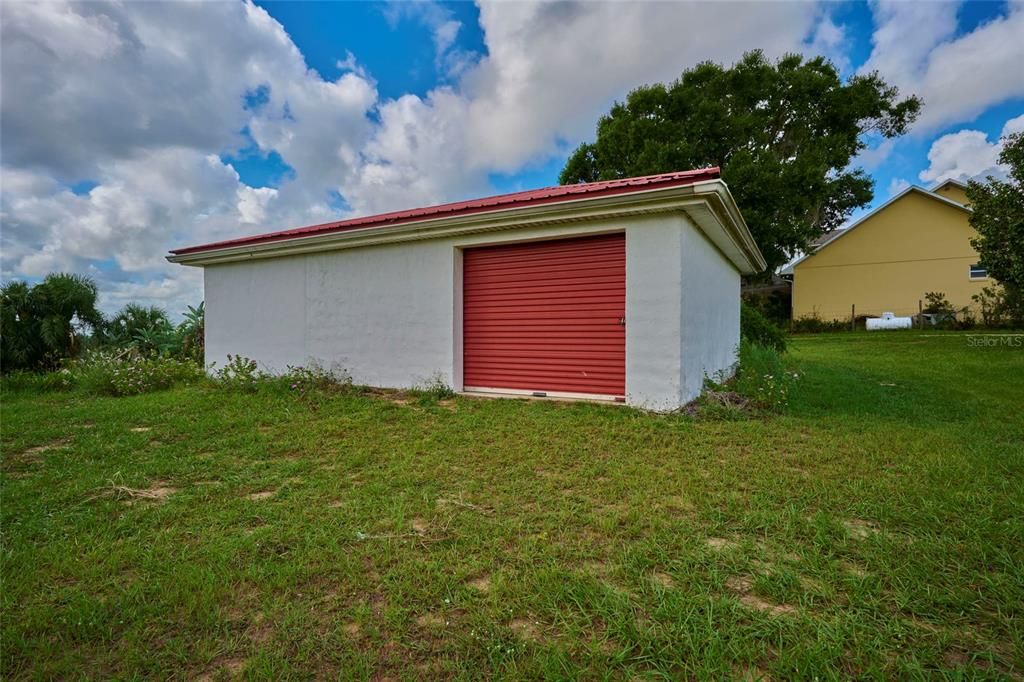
[546, 316]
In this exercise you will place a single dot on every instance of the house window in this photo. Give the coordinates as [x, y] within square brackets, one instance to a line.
[978, 272]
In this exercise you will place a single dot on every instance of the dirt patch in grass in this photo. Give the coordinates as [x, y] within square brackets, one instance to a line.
[751, 674]
[481, 583]
[526, 629]
[229, 667]
[32, 454]
[140, 429]
[743, 589]
[722, 544]
[859, 529]
[854, 569]
[420, 526]
[260, 630]
[352, 630]
[261, 495]
[431, 620]
[663, 579]
[157, 492]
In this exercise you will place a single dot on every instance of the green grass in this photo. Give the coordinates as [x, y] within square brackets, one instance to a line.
[873, 529]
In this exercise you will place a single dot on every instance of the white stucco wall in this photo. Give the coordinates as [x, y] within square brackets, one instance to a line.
[654, 313]
[390, 315]
[710, 312]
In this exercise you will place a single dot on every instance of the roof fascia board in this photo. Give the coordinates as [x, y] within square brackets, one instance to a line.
[950, 181]
[726, 228]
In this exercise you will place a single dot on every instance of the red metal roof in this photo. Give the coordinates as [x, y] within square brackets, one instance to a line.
[545, 195]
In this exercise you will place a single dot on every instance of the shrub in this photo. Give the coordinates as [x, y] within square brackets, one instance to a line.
[24, 380]
[433, 389]
[757, 329]
[1000, 306]
[128, 373]
[944, 315]
[240, 374]
[313, 379]
[776, 305]
[813, 324]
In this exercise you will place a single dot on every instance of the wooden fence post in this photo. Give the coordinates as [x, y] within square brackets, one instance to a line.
[920, 315]
[853, 317]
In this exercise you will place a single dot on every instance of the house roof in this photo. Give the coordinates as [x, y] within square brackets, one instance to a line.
[950, 181]
[832, 237]
[546, 195]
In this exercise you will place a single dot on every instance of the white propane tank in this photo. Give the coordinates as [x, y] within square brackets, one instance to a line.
[888, 321]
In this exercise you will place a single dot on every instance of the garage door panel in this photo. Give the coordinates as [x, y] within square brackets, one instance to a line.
[610, 388]
[552, 291]
[585, 275]
[546, 316]
[606, 307]
[562, 284]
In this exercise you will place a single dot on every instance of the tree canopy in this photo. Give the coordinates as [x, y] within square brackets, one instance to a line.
[998, 217]
[135, 319]
[41, 324]
[784, 134]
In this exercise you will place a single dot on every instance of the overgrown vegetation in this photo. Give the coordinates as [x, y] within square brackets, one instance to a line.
[871, 530]
[763, 379]
[764, 376]
[814, 324]
[758, 329]
[53, 323]
[44, 324]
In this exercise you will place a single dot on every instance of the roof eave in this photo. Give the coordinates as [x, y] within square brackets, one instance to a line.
[723, 224]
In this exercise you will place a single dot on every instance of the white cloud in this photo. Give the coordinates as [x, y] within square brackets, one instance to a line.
[957, 77]
[252, 203]
[873, 157]
[830, 40]
[897, 185]
[1014, 125]
[143, 98]
[968, 154]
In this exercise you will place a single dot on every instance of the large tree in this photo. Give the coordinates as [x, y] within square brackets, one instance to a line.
[41, 324]
[998, 216]
[784, 134]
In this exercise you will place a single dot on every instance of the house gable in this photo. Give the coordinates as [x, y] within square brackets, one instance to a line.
[915, 226]
[952, 190]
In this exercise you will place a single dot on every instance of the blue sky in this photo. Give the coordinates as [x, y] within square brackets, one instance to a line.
[207, 121]
[399, 53]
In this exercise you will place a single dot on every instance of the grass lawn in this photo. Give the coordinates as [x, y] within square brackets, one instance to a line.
[875, 529]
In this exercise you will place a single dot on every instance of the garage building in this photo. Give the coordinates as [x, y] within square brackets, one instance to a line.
[625, 290]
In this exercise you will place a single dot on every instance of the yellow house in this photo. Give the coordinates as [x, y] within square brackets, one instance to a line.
[918, 241]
